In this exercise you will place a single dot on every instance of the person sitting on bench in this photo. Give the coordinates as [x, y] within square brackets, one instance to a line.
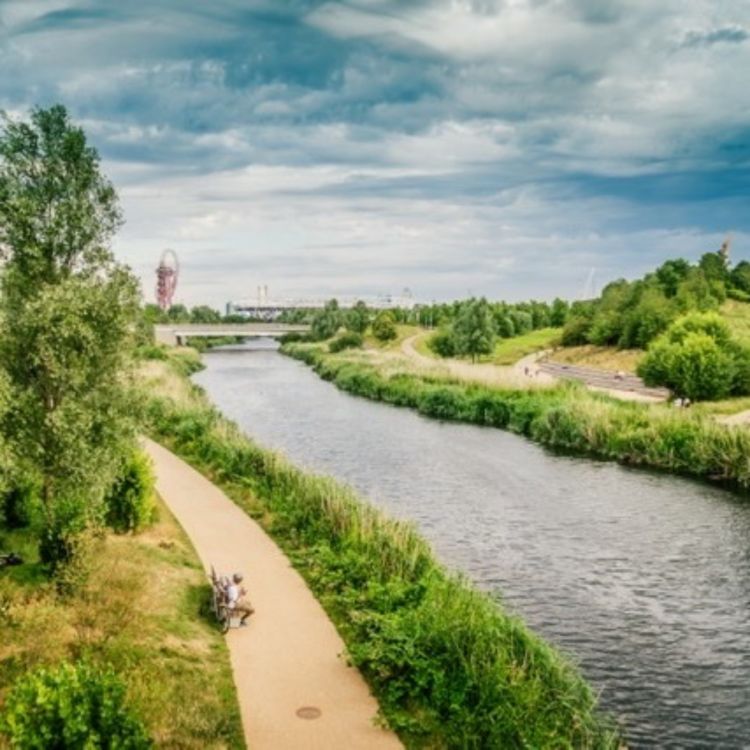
[236, 599]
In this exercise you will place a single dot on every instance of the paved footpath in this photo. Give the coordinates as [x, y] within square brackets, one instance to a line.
[288, 657]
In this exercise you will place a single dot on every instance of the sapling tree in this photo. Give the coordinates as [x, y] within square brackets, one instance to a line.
[70, 310]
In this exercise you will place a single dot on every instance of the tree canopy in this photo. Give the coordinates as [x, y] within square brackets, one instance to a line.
[73, 311]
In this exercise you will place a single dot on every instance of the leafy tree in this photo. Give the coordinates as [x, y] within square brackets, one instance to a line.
[697, 359]
[474, 329]
[740, 276]
[505, 327]
[178, 314]
[578, 324]
[523, 322]
[327, 321]
[714, 266]
[358, 318]
[443, 343]
[644, 322]
[204, 314]
[671, 274]
[129, 504]
[696, 292]
[384, 326]
[558, 312]
[73, 308]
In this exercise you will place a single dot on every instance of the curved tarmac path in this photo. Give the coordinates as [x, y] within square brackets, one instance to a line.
[288, 656]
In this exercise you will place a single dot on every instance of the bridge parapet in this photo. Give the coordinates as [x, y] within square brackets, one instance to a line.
[173, 334]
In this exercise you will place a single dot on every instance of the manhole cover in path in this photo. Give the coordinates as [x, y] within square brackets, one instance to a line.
[309, 712]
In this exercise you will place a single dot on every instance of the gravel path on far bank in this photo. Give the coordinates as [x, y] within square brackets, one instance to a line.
[288, 656]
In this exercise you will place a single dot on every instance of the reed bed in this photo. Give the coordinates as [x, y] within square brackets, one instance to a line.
[450, 668]
[566, 417]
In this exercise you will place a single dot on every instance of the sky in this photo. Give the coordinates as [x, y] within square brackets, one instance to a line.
[509, 148]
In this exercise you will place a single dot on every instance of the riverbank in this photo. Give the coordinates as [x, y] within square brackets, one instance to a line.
[287, 659]
[449, 667]
[565, 416]
[144, 611]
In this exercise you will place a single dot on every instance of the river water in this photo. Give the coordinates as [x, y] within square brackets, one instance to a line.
[642, 579]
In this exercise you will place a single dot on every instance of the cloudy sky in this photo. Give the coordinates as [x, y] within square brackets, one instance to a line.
[509, 148]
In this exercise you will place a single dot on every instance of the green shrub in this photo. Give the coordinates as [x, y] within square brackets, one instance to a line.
[384, 326]
[443, 343]
[73, 706]
[348, 340]
[151, 351]
[697, 359]
[62, 532]
[129, 505]
[293, 337]
[450, 668]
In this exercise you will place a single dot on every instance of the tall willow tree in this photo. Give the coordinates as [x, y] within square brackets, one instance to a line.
[67, 310]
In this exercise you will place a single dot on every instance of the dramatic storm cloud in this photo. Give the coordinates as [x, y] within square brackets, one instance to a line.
[498, 147]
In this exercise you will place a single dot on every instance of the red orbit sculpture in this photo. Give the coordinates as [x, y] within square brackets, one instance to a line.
[166, 278]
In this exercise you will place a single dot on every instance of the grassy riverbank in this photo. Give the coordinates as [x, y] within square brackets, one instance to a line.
[143, 611]
[450, 668]
[566, 417]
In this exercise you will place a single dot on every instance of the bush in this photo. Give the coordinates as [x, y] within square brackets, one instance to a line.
[443, 343]
[345, 341]
[384, 326]
[73, 706]
[62, 531]
[697, 359]
[19, 505]
[293, 337]
[130, 502]
[151, 351]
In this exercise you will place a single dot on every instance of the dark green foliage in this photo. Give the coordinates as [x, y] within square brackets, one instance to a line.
[579, 323]
[567, 417]
[558, 313]
[348, 340]
[20, 504]
[443, 343]
[505, 326]
[384, 326]
[449, 667]
[671, 274]
[697, 359]
[293, 337]
[632, 314]
[358, 318]
[129, 504]
[714, 267]
[74, 313]
[740, 277]
[474, 329]
[326, 322]
[73, 707]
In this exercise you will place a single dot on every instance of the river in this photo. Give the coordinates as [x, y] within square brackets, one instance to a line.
[643, 579]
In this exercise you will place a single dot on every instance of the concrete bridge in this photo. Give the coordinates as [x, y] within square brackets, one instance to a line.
[175, 334]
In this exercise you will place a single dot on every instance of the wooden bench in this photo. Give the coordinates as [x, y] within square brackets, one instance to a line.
[219, 603]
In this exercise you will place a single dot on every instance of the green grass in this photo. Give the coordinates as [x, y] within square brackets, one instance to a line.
[566, 417]
[450, 668]
[145, 612]
[509, 351]
[737, 315]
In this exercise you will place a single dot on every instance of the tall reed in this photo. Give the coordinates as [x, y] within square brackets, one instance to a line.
[450, 668]
[567, 417]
